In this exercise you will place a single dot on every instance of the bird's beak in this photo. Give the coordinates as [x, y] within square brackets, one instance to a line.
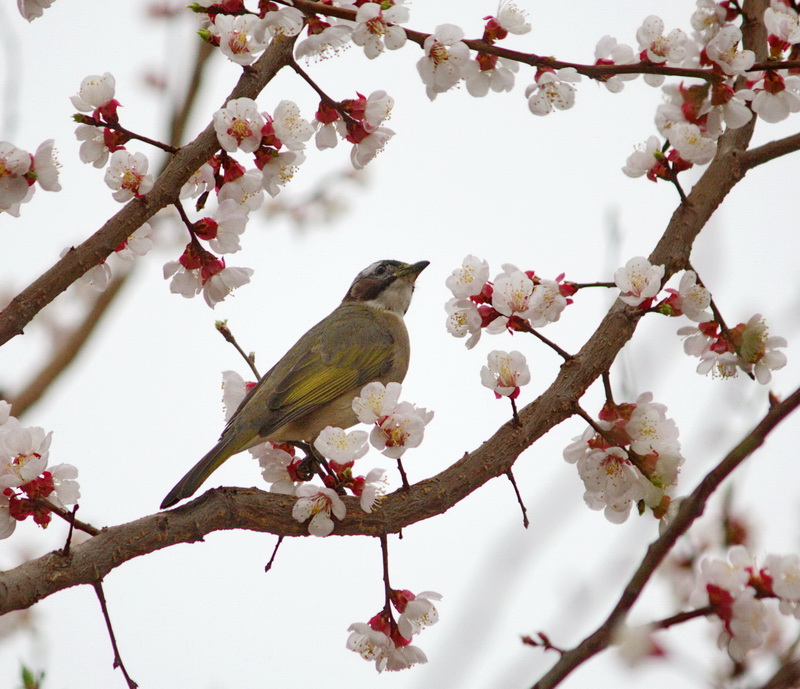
[412, 270]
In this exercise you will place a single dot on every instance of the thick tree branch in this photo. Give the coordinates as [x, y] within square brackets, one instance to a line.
[99, 246]
[252, 509]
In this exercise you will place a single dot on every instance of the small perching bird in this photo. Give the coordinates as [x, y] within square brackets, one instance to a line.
[364, 339]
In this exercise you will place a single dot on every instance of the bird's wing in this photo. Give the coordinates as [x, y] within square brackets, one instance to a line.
[328, 361]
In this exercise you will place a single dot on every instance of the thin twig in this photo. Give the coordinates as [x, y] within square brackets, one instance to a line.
[584, 285]
[346, 116]
[403, 476]
[387, 587]
[98, 587]
[269, 564]
[65, 549]
[511, 478]
[224, 330]
[69, 517]
[606, 377]
[563, 354]
[117, 127]
[515, 413]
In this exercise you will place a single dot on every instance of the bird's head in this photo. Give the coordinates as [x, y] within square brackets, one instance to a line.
[386, 285]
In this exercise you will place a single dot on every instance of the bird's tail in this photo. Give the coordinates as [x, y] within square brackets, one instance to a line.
[201, 471]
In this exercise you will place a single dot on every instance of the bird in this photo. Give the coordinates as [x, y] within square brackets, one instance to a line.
[362, 340]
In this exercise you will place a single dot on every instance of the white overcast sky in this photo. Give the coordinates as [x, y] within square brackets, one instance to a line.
[462, 175]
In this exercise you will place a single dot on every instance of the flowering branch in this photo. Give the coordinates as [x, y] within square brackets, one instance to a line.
[597, 72]
[691, 508]
[102, 243]
[127, 133]
[224, 330]
[324, 97]
[255, 510]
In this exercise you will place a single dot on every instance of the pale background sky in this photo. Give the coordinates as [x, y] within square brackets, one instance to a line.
[462, 175]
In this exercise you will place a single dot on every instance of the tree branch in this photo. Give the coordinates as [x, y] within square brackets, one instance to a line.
[230, 508]
[99, 246]
[691, 508]
[774, 149]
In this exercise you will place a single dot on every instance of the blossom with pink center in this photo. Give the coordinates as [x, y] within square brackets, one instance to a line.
[758, 351]
[238, 125]
[376, 401]
[511, 18]
[463, 318]
[781, 21]
[236, 39]
[95, 92]
[511, 297]
[127, 175]
[402, 429]
[776, 96]
[505, 372]
[657, 47]
[612, 483]
[693, 299]
[609, 52]
[552, 90]
[644, 158]
[292, 129]
[330, 41]
[24, 452]
[199, 183]
[317, 503]
[723, 50]
[247, 190]
[417, 613]
[374, 645]
[340, 446]
[638, 280]
[377, 28]
[14, 165]
[469, 278]
[446, 56]
[708, 18]
[280, 170]
[137, 244]
[690, 143]
[285, 22]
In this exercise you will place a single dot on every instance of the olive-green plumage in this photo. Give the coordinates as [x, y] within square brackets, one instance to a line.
[363, 340]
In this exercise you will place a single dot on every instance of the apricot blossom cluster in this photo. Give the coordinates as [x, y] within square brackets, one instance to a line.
[396, 427]
[28, 487]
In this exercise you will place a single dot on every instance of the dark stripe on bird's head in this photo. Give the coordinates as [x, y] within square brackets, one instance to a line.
[374, 279]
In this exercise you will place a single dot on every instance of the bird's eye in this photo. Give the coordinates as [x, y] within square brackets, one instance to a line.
[381, 269]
